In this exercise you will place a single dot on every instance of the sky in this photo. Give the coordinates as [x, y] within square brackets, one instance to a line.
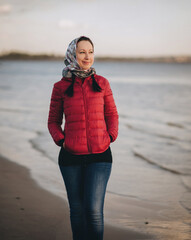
[127, 28]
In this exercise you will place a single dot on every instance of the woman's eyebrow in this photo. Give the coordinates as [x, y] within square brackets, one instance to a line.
[81, 49]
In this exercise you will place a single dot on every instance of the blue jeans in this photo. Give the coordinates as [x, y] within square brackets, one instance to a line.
[86, 187]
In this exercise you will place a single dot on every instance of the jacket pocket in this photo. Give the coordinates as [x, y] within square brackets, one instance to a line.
[107, 137]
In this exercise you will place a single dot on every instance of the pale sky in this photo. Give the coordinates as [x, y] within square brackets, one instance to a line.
[117, 27]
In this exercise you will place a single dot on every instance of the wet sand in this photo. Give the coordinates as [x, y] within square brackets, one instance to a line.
[30, 212]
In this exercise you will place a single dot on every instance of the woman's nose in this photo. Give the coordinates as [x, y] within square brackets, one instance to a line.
[87, 56]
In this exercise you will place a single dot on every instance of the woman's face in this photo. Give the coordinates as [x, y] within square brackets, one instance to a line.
[85, 54]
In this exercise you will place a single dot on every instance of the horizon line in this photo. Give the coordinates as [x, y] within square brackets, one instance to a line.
[19, 55]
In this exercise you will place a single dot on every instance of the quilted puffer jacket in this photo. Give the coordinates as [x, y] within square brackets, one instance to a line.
[90, 117]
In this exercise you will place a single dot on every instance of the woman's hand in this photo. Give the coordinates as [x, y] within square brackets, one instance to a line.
[63, 144]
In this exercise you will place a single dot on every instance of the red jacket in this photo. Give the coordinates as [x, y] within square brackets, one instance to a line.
[90, 117]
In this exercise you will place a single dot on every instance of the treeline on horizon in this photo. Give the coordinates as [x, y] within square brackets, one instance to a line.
[27, 56]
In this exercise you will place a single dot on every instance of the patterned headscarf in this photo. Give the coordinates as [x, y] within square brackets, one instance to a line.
[72, 65]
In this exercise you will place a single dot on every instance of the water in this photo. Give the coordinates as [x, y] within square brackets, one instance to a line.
[153, 152]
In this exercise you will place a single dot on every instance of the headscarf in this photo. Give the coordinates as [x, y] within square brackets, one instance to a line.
[72, 65]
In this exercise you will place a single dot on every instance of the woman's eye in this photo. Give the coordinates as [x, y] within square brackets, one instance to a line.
[82, 52]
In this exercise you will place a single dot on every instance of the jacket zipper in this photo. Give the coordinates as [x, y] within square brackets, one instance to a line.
[85, 108]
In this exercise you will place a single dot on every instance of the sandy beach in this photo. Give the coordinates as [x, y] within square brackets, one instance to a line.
[29, 212]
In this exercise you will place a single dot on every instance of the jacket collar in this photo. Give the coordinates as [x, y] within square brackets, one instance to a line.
[77, 79]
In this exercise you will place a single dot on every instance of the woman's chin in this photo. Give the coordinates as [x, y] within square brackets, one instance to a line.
[85, 68]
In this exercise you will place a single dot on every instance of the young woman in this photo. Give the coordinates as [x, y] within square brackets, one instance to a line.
[91, 124]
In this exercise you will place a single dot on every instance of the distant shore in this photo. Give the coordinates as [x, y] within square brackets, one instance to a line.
[52, 57]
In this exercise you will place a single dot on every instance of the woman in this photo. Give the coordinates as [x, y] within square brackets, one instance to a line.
[91, 123]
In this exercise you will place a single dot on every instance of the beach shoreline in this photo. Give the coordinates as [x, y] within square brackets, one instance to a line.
[27, 171]
[149, 188]
[30, 212]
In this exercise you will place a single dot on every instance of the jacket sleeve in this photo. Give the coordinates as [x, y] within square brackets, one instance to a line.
[56, 115]
[111, 114]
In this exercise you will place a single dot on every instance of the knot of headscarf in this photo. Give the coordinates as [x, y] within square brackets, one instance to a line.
[72, 66]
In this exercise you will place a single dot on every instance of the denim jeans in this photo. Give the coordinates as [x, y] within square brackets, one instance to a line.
[86, 186]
